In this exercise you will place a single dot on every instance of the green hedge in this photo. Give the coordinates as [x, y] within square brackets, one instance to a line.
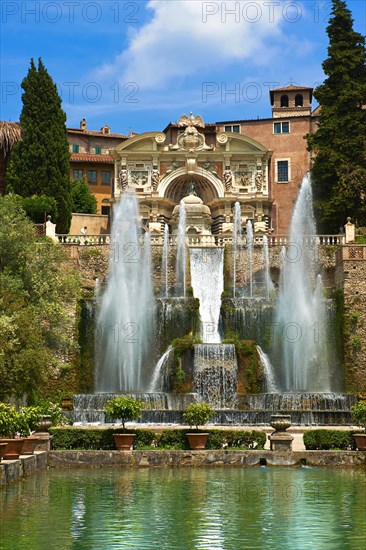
[102, 439]
[325, 440]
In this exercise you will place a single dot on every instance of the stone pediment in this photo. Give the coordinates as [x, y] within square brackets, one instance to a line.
[240, 143]
[142, 142]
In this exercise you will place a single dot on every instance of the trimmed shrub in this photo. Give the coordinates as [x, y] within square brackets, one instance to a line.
[324, 440]
[102, 439]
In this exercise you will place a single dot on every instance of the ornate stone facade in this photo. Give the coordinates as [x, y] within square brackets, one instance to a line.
[223, 167]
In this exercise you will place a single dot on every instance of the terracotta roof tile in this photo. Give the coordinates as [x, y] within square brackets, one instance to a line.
[86, 157]
[95, 133]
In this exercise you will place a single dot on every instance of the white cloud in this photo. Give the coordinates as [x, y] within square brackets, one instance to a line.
[176, 43]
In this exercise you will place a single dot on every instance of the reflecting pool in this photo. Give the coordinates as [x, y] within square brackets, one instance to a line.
[183, 509]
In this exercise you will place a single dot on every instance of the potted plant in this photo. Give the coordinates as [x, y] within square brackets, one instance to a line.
[197, 414]
[10, 423]
[125, 409]
[359, 417]
[29, 421]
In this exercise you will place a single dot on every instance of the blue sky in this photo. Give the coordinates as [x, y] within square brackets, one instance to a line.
[140, 64]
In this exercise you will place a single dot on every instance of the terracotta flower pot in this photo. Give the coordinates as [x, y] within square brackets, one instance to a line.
[124, 442]
[197, 441]
[2, 449]
[29, 446]
[13, 449]
[360, 440]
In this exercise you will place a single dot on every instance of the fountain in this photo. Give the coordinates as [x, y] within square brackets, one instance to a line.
[236, 241]
[297, 368]
[125, 324]
[301, 335]
[181, 265]
[165, 259]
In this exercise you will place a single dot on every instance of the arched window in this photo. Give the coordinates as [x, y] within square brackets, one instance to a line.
[284, 100]
[299, 100]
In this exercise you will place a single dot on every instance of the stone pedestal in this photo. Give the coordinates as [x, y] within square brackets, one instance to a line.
[44, 441]
[350, 231]
[280, 441]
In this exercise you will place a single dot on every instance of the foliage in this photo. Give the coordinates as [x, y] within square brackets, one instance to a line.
[37, 288]
[23, 421]
[339, 170]
[324, 440]
[40, 162]
[83, 200]
[37, 206]
[356, 343]
[123, 408]
[198, 414]
[31, 417]
[180, 345]
[250, 375]
[168, 439]
[8, 420]
[359, 414]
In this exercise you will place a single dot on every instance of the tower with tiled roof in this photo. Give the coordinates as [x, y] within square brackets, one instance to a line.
[291, 101]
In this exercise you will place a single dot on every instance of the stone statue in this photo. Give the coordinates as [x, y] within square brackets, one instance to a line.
[228, 179]
[259, 181]
[123, 178]
[260, 225]
[192, 189]
[155, 178]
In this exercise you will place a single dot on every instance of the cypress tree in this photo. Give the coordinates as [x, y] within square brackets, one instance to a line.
[339, 170]
[40, 163]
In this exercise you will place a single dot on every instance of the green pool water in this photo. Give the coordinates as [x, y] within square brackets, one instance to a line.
[182, 509]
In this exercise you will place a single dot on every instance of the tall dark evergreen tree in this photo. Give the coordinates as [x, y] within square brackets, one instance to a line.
[40, 163]
[339, 170]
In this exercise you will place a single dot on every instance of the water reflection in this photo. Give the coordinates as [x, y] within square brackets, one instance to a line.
[182, 509]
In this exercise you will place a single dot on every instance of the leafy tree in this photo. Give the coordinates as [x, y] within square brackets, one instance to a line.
[38, 289]
[83, 201]
[38, 205]
[339, 170]
[40, 162]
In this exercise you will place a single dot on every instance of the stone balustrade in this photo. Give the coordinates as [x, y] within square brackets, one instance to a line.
[220, 239]
[88, 240]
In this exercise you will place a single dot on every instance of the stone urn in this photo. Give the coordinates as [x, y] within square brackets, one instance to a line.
[45, 423]
[280, 422]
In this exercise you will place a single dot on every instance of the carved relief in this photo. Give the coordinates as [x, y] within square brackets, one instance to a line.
[171, 167]
[243, 179]
[191, 120]
[139, 178]
[191, 140]
[259, 181]
[210, 167]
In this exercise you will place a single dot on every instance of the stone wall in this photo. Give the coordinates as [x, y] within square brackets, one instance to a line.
[93, 263]
[351, 281]
[16, 470]
[100, 459]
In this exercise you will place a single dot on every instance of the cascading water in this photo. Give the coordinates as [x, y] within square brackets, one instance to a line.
[301, 351]
[181, 264]
[207, 279]
[165, 259]
[125, 325]
[270, 383]
[158, 371]
[250, 246]
[268, 285]
[215, 374]
[236, 241]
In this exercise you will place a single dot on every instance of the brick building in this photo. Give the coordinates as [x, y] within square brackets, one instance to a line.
[90, 159]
